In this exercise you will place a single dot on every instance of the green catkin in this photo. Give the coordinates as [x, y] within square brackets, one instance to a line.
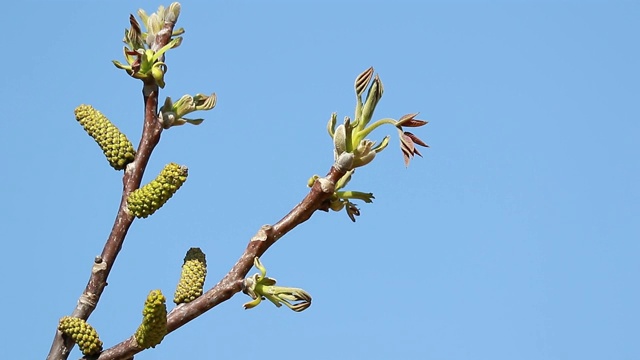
[114, 144]
[82, 333]
[154, 321]
[194, 272]
[149, 198]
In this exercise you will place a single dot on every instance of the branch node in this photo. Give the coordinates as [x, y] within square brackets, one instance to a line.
[327, 186]
[344, 162]
[98, 265]
[89, 299]
[262, 234]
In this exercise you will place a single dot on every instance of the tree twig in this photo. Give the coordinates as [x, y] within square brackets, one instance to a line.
[231, 283]
[152, 129]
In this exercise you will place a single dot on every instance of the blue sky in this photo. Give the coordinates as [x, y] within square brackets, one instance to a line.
[515, 237]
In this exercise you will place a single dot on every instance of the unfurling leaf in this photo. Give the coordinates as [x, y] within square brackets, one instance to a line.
[407, 145]
[133, 36]
[260, 287]
[363, 80]
[415, 139]
[373, 97]
[331, 125]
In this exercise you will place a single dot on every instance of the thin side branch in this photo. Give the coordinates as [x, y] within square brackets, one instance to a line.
[61, 347]
[316, 199]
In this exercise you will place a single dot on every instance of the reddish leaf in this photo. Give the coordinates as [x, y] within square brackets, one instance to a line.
[407, 142]
[406, 145]
[416, 139]
[409, 120]
[408, 116]
[415, 151]
[352, 211]
[415, 123]
[135, 27]
[135, 67]
[363, 80]
[406, 158]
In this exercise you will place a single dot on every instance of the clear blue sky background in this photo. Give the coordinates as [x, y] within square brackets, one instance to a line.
[515, 237]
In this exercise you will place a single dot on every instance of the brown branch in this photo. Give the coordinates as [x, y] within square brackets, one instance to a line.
[231, 284]
[152, 129]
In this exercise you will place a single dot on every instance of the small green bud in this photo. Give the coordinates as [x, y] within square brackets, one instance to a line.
[339, 141]
[82, 333]
[312, 180]
[194, 272]
[363, 153]
[173, 12]
[149, 198]
[154, 321]
[157, 72]
[115, 145]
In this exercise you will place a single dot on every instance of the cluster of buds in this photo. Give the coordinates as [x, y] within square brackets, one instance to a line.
[82, 333]
[154, 321]
[341, 199]
[114, 144]
[144, 60]
[194, 272]
[148, 199]
[259, 287]
[351, 147]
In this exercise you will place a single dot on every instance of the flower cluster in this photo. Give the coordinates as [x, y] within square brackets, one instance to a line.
[194, 272]
[114, 144]
[148, 199]
[82, 333]
[154, 321]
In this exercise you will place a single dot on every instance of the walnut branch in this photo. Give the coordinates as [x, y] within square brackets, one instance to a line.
[152, 129]
[231, 283]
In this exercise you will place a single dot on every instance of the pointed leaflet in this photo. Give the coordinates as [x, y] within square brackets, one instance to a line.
[407, 146]
[352, 211]
[133, 36]
[363, 80]
[416, 139]
[409, 120]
